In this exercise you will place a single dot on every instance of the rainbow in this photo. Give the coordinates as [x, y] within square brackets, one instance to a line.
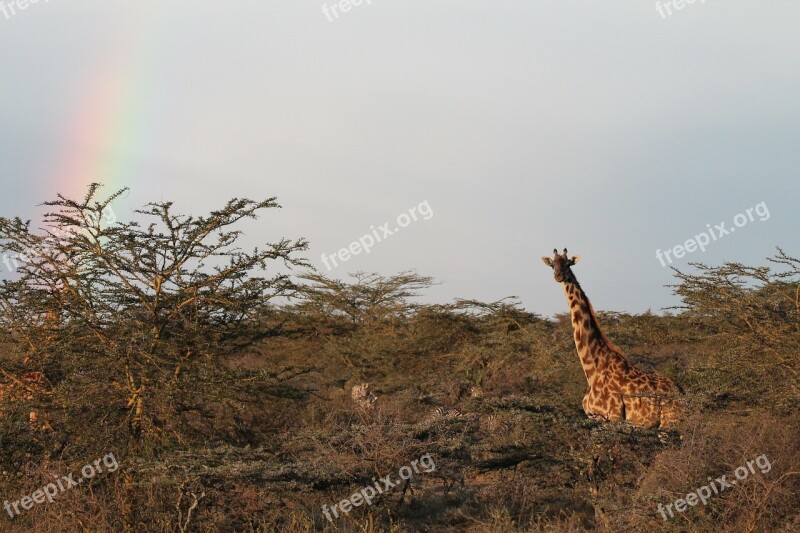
[109, 125]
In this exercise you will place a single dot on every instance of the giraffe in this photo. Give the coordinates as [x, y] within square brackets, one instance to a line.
[617, 390]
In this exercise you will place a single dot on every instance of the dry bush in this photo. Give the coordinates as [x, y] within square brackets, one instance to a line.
[753, 314]
[228, 411]
[716, 447]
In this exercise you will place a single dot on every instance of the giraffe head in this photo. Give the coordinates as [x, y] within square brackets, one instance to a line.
[561, 265]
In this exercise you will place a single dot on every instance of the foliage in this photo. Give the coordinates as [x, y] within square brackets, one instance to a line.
[143, 306]
[222, 384]
[755, 311]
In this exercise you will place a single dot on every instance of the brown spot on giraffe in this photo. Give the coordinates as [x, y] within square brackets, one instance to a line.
[617, 390]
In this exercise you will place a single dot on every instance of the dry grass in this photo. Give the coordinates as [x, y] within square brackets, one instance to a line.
[255, 429]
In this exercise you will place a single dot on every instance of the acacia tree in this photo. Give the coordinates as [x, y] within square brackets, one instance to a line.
[757, 309]
[147, 303]
[371, 298]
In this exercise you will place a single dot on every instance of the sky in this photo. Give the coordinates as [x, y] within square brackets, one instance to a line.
[613, 129]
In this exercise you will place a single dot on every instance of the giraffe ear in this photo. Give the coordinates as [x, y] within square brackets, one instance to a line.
[547, 261]
[575, 259]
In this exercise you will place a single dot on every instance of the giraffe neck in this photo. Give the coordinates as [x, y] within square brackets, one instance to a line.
[594, 348]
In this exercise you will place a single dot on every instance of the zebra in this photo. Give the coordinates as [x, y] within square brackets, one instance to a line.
[495, 423]
[446, 413]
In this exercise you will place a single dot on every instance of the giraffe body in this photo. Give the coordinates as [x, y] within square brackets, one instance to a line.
[616, 389]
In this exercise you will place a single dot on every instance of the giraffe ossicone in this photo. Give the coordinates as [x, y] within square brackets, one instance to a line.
[617, 390]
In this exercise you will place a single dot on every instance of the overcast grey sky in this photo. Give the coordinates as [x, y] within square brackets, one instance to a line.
[525, 125]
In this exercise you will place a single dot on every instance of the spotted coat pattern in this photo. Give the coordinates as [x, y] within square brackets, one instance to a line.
[616, 389]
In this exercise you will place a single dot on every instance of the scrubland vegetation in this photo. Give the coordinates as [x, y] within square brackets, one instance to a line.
[220, 379]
